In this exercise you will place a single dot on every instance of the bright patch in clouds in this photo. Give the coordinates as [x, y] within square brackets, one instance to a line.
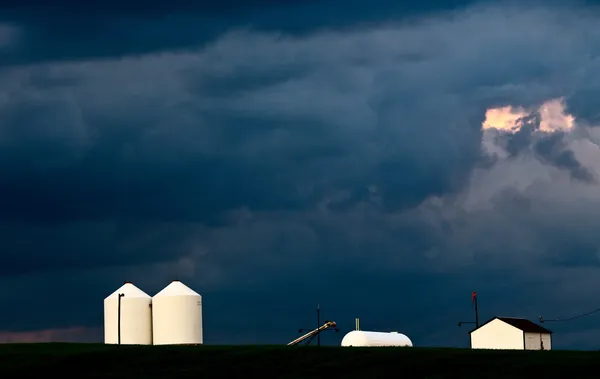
[552, 117]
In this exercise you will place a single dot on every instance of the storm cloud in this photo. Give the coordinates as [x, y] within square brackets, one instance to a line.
[351, 161]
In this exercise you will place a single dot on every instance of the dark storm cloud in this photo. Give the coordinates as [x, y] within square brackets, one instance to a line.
[123, 152]
[71, 30]
[193, 143]
[584, 105]
[73, 246]
[345, 163]
[552, 149]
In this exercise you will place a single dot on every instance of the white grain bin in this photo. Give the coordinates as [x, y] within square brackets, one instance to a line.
[177, 316]
[361, 338]
[135, 316]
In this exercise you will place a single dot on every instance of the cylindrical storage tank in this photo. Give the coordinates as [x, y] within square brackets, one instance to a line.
[135, 314]
[361, 338]
[177, 316]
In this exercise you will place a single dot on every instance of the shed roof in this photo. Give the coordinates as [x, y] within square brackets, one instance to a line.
[523, 324]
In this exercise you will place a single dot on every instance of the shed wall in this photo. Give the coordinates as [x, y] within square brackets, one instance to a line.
[534, 341]
[497, 335]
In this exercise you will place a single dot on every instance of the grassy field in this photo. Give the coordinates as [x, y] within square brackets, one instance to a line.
[101, 361]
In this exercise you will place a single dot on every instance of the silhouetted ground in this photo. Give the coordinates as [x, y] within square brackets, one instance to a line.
[102, 361]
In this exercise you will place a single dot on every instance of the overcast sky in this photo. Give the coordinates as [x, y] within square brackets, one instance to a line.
[382, 160]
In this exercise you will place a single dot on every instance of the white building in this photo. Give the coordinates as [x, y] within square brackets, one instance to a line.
[509, 333]
[359, 338]
[177, 316]
[128, 316]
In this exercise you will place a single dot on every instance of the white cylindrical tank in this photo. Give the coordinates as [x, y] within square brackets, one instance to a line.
[177, 316]
[135, 313]
[361, 338]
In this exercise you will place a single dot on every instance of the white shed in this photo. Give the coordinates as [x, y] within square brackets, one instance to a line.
[510, 333]
[177, 316]
[131, 320]
[361, 338]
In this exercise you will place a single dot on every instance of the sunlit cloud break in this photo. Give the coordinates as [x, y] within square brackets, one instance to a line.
[553, 117]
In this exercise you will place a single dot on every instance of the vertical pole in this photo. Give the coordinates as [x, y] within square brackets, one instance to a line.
[119, 319]
[476, 313]
[318, 324]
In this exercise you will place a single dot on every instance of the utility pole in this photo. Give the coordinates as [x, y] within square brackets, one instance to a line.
[319, 329]
[318, 324]
[474, 301]
[476, 310]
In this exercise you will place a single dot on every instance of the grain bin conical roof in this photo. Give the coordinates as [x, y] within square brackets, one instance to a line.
[129, 290]
[176, 288]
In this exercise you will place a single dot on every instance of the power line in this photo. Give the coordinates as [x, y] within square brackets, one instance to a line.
[571, 318]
